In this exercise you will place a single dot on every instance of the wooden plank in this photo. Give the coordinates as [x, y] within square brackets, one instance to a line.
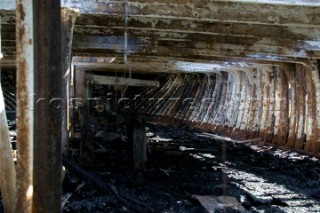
[110, 80]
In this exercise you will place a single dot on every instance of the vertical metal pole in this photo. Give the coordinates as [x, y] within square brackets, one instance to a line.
[48, 106]
[25, 92]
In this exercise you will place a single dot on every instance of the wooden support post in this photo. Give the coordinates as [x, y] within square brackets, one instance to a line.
[137, 139]
[68, 18]
[139, 146]
[48, 111]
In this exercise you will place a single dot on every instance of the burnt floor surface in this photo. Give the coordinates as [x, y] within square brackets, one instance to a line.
[182, 164]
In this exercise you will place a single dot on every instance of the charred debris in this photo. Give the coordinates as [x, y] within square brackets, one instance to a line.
[158, 106]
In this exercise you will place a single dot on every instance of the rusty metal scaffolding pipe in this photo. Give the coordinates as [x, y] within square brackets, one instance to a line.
[48, 107]
[25, 91]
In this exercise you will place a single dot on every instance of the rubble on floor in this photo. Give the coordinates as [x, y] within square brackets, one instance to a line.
[181, 165]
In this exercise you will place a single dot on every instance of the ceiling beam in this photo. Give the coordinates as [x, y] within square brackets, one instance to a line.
[190, 56]
[176, 47]
[193, 40]
[106, 24]
[169, 67]
[169, 64]
[223, 11]
[101, 63]
[102, 24]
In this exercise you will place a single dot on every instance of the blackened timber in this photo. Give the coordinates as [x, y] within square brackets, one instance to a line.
[48, 113]
[105, 186]
[138, 141]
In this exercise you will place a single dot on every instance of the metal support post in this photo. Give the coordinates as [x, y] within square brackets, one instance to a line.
[25, 100]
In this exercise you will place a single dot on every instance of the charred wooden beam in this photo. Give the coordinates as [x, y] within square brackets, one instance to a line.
[138, 142]
[105, 186]
[48, 112]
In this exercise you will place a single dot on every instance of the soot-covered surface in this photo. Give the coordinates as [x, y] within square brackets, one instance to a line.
[182, 164]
